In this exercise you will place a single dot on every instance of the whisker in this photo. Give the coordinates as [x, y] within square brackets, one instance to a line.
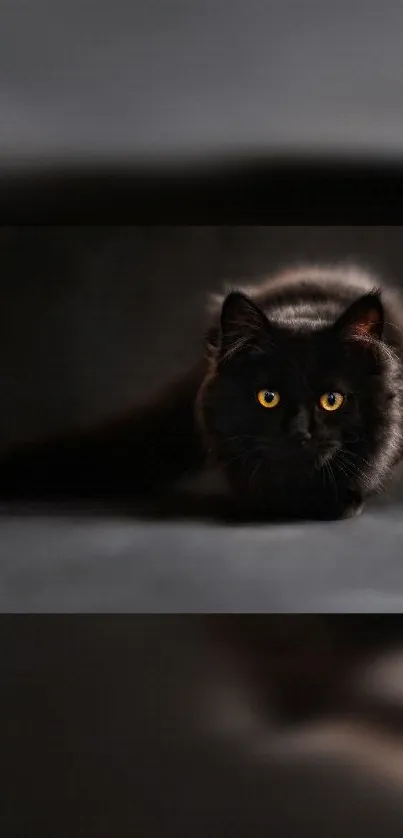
[350, 468]
[255, 471]
[355, 456]
[346, 473]
[240, 456]
[334, 481]
[329, 472]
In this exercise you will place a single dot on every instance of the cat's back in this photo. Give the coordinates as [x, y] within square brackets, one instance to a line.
[319, 282]
[313, 296]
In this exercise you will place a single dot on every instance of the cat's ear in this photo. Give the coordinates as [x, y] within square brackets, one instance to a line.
[242, 323]
[364, 318]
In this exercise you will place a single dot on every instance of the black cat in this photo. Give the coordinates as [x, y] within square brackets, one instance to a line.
[298, 400]
[302, 403]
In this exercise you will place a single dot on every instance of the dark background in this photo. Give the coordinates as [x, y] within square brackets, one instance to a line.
[94, 318]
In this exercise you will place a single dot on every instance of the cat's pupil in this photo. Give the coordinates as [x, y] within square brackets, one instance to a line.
[331, 399]
[269, 396]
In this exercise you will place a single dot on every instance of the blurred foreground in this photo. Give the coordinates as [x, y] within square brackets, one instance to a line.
[232, 726]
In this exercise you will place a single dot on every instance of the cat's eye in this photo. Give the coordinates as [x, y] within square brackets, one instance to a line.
[331, 401]
[268, 398]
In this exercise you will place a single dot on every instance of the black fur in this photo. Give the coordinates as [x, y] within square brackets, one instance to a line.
[136, 455]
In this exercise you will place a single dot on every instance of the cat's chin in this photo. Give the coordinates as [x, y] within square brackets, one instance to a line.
[314, 455]
[324, 458]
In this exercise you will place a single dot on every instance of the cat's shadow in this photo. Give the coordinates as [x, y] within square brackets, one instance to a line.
[180, 506]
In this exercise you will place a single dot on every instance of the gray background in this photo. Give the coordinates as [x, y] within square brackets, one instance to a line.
[155, 79]
[94, 318]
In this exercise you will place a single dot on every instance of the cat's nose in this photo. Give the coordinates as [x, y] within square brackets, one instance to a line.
[298, 427]
[302, 437]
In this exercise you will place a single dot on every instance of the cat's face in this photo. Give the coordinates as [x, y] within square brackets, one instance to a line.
[295, 399]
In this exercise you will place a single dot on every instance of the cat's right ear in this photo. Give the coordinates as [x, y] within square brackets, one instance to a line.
[242, 324]
[363, 319]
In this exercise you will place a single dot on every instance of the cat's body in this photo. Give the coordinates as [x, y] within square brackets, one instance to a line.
[298, 400]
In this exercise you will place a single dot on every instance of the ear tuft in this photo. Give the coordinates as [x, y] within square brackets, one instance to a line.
[364, 318]
[242, 323]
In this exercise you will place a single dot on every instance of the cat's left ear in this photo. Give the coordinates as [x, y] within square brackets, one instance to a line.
[363, 319]
[242, 323]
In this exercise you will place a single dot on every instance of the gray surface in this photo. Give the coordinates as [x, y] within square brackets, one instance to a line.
[160, 79]
[121, 565]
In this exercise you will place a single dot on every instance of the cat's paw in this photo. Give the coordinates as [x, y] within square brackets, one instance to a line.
[353, 510]
[348, 507]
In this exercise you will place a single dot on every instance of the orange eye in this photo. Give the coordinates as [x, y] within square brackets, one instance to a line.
[331, 401]
[268, 398]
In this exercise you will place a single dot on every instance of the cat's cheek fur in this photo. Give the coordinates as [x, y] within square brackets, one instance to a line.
[352, 506]
[204, 414]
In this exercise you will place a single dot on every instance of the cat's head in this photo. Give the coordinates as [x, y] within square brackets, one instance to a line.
[295, 398]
